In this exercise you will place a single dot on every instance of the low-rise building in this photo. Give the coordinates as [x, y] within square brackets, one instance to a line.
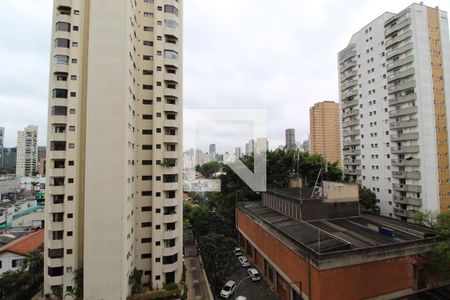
[313, 243]
[13, 253]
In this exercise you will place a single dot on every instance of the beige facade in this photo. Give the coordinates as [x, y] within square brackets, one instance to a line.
[114, 160]
[27, 151]
[324, 135]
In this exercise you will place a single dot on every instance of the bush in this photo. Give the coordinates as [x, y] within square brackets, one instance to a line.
[171, 286]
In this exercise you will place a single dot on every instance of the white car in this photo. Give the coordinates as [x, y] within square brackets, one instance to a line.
[237, 251]
[254, 274]
[228, 289]
[241, 298]
[244, 261]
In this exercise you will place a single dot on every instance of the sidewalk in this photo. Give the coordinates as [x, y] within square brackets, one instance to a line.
[198, 287]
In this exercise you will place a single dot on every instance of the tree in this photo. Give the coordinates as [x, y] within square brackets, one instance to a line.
[426, 218]
[209, 168]
[217, 253]
[76, 292]
[34, 262]
[438, 261]
[135, 280]
[209, 222]
[196, 213]
[367, 198]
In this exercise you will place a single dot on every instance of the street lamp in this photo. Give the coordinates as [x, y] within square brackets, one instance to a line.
[239, 283]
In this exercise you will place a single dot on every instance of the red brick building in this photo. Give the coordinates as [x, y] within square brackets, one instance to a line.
[353, 257]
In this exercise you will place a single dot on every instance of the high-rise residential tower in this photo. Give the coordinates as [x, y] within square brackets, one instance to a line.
[290, 138]
[324, 130]
[2, 137]
[394, 88]
[237, 152]
[114, 154]
[250, 147]
[27, 151]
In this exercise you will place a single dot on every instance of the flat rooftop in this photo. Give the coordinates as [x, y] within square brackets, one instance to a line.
[340, 235]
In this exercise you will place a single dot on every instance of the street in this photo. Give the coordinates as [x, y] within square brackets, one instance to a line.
[252, 290]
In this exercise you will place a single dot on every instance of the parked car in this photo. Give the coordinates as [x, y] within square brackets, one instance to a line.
[228, 289]
[254, 274]
[244, 261]
[237, 251]
[241, 298]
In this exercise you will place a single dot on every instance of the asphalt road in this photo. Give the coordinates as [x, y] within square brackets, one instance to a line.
[252, 290]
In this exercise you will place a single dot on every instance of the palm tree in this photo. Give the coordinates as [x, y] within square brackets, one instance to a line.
[135, 280]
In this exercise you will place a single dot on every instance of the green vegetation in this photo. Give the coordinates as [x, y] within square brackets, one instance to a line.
[209, 169]
[135, 281]
[25, 282]
[367, 198]
[169, 162]
[77, 291]
[438, 260]
[174, 292]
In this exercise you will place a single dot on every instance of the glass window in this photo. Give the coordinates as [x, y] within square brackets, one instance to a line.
[171, 23]
[63, 26]
[171, 9]
[62, 59]
[62, 43]
[170, 54]
[59, 93]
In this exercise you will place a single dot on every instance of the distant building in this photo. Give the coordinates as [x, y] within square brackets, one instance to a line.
[13, 254]
[42, 167]
[324, 134]
[212, 151]
[262, 145]
[237, 152]
[8, 158]
[290, 138]
[27, 153]
[2, 137]
[305, 145]
[41, 155]
[250, 147]
[321, 248]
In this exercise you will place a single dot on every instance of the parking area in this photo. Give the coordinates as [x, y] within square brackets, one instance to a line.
[252, 290]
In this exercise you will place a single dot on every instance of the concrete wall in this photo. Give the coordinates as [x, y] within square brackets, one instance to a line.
[339, 192]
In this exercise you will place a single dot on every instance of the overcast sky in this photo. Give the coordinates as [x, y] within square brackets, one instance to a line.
[274, 55]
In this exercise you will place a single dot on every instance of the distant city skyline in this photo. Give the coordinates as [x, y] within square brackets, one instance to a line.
[301, 73]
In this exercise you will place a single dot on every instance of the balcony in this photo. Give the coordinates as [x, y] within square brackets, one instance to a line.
[403, 111]
[55, 208]
[355, 142]
[171, 92]
[347, 65]
[55, 226]
[402, 99]
[399, 75]
[349, 113]
[350, 123]
[413, 188]
[348, 75]
[352, 162]
[404, 124]
[170, 234]
[406, 174]
[56, 172]
[404, 213]
[347, 104]
[171, 218]
[400, 62]
[396, 51]
[405, 137]
[406, 34]
[171, 267]
[407, 84]
[348, 84]
[55, 244]
[406, 162]
[171, 62]
[172, 186]
[350, 93]
[405, 149]
[408, 200]
[55, 262]
[397, 27]
[351, 152]
[348, 54]
[352, 172]
[171, 77]
[346, 133]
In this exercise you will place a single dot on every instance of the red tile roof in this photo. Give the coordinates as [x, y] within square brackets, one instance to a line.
[25, 244]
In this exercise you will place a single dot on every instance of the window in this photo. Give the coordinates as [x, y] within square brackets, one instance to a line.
[62, 59]
[147, 102]
[171, 23]
[170, 54]
[61, 76]
[147, 72]
[73, 77]
[69, 233]
[148, 15]
[146, 224]
[62, 43]
[147, 87]
[69, 215]
[146, 208]
[148, 43]
[146, 178]
[146, 162]
[59, 93]
[75, 28]
[69, 251]
[147, 147]
[146, 240]
[171, 9]
[148, 28]
[146, 193]
[57, 235]
[146, 255]
[147, 57]
[59, 111]
[15, 263]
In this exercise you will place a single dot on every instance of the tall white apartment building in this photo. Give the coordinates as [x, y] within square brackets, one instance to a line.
[394, 90]
[27, 151]
[114, 160]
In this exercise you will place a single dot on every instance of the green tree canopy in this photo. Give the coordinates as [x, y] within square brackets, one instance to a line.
[367, 198]
[217, 253]
[209, 168]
